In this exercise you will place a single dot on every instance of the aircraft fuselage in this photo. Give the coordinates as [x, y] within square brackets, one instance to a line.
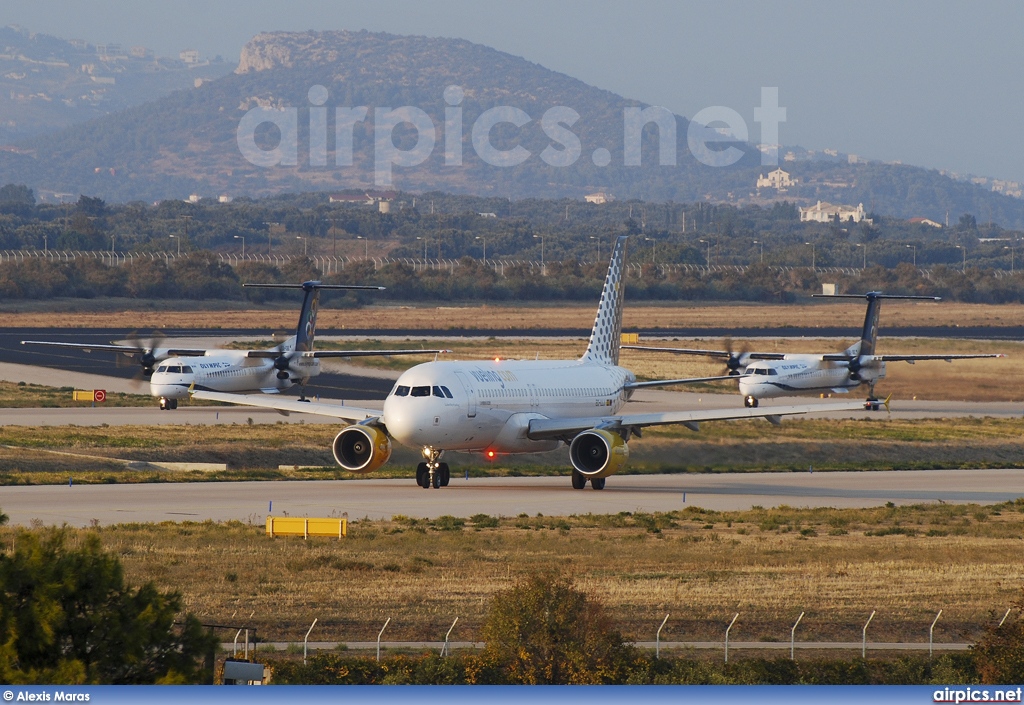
[804, 374]
[487, 405]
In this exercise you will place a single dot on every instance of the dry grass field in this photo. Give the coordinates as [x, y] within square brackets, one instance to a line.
[49, 455]
[702, 567]
[512, 317]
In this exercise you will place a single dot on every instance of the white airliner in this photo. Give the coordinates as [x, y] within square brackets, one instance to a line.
[769, 374]
[172, 371]
[514, 406]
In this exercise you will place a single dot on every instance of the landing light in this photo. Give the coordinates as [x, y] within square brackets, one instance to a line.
[497, 359]
[491, 455]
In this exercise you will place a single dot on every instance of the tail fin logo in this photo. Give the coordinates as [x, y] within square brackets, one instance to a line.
[604, 338]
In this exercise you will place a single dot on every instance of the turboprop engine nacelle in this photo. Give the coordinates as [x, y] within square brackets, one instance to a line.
[361, 448]
[598, 453]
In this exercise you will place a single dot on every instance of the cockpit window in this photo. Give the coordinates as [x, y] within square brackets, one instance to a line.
[401, 391]
[772, 371]
[162, 368]
[186, 369]
[174, 369]
[438, 392]
[421, 391]
[447, 393]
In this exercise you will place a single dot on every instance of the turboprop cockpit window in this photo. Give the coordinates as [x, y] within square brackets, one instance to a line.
[174, 369]
[401, 391]
[447, 393]
[438, 392]
[421, 391]
[162, 368]
[186, 369]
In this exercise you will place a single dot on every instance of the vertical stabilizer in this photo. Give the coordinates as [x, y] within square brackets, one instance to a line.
[869, 334]
[306, 331]
[604, 338]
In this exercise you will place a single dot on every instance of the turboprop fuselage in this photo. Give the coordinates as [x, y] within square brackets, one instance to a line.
[228, 371]
[804, 374]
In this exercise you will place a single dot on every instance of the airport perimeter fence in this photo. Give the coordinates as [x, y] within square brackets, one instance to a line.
[727, 644]
[334, 265]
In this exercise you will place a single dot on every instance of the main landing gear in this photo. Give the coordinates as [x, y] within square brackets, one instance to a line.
[432, 473]
[872, 403]
[166, 404]
[579, 481]
[750, 402]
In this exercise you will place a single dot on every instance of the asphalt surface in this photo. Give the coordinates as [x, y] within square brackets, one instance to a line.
[82, 505]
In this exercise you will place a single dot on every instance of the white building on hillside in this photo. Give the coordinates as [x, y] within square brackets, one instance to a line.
[778, 179]
[825, 212]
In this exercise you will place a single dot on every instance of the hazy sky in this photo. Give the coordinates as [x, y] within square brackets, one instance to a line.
[932, 83]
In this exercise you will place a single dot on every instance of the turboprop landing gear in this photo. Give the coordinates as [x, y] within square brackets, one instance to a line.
[872, 403]
[750, 402]
[432, 473]
[166, 404]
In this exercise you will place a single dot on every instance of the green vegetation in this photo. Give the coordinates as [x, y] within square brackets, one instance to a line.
[100, 454]
[68, 617]
[454, 232]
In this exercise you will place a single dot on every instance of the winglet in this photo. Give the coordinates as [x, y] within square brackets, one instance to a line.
[191, 389]
[886, 402]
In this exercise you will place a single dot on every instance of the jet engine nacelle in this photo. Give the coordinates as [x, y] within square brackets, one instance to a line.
[598, 453]
[361, 448]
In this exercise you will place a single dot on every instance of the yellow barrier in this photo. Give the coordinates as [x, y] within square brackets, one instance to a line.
[306, 527]
[630, 338]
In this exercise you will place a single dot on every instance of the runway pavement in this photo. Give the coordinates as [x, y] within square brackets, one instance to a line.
[81, 505]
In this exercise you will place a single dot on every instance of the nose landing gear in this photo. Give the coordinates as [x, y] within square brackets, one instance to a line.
[432, 473]
[750, 401]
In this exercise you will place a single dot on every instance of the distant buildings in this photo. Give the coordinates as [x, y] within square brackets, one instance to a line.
[367, 198]
[925, 221]
[189, 56]
[779, 180]
[599, 197]
[825, 212]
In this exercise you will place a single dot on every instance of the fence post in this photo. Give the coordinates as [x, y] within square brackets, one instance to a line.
[305, 642]
[657, 638]
[864, 636]
[1005, 616]
[792, 636]
[931, 633]
[379, 634]
[727, 636]
[445, 650]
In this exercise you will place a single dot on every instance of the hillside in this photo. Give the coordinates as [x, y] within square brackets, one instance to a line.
[187, 142]
[47, 84]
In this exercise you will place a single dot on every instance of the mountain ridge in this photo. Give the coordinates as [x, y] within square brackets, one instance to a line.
[187, 142]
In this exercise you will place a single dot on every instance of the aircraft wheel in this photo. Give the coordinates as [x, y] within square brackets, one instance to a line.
[437, 478]
[597, 483]
[174, 403]
[446, 474]
[578, 480]
[750, 402]
[422, 476]
[164, 403]
[872, 404]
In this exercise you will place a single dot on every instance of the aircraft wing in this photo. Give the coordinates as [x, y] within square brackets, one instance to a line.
[843, 357]
[126, 349]
[947, 358]
[337, 411]
[545, 429]
[707, 353]
[688, 380]
[272, 354]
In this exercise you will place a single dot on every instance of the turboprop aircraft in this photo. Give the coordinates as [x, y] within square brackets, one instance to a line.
[172, 371]
[514, 406]
[770, 374]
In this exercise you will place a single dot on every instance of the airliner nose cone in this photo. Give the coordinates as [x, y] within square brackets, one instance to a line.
[402, 424]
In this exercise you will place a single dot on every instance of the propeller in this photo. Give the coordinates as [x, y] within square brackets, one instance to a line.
[736, 360]
[854, 366]
[143, 354]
